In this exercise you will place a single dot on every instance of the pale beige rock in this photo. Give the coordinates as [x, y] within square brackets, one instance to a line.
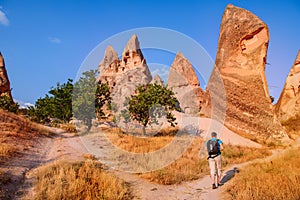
[183, 81]
[288, 104]
[125, 75]
[4, 81]
[241, 60]
[157, 79]
[109, 57]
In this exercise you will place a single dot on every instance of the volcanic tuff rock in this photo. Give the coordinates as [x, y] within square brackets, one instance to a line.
[4, 81]
[183, 81]
[157, 79]
[288, 104]
[241, 60]
[123, 76]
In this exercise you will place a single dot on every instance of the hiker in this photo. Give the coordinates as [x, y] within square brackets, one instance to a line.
[214, 148]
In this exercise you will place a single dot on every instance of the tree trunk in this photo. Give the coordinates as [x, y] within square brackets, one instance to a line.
[89, 125]
[144, 130]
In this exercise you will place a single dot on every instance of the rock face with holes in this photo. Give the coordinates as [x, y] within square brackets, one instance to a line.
[4, 81]
[240, 61]
[288, 104]
[183, 81]
[123, 76]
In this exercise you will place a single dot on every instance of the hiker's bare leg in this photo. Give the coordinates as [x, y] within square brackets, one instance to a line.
[212, 166]
[219, 167]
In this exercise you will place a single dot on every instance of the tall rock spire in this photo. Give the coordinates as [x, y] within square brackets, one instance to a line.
[133, 44]
[288, 104]
[184, 83]
[132, 55]
[109, 57]
[157, 80]
[4, 81]
[240, 61]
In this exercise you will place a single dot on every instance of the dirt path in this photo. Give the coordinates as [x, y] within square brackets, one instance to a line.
[67, 146]
[62, 146]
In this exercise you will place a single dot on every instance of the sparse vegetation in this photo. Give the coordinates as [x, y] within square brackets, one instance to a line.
[292, 125]
[80, 180]
[71, 128]
[6, 149]
[273, 180]
[7, 104]
[189, 166]
[17, 132]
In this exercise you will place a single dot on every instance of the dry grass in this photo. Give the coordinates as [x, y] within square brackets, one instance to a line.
[137, 144]
[71, 128]
[17, 133]
[239, 154]
[6, 149]
[80, 180]
[292, 126]
[189, 166]
[273, 180]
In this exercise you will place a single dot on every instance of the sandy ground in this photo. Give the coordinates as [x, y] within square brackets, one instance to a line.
[68, 146]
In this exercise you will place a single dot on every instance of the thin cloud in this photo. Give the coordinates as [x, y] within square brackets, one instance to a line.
[3, 19]
[54, 40]
[23, 104]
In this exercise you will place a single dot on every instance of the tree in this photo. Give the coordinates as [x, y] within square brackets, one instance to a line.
[151, 102]
[89, 98]
[57, 104]
[62, 101]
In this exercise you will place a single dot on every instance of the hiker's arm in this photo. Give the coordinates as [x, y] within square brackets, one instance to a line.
[221, 147]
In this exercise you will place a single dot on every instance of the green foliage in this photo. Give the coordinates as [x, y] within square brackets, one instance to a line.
[6, 103]
[57, 104]
[83, 98]
[151, 102]
[102, 97]
[125, 112]
[89, 98]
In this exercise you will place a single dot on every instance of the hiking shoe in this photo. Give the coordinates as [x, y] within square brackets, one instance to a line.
[220, 184]
[214, 186]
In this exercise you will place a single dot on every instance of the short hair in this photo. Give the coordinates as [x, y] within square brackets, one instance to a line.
[213, 134]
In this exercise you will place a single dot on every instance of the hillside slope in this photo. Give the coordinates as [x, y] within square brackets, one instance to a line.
[18, 135]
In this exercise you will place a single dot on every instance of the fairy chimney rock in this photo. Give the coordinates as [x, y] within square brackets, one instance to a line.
[183, 81]
[132, 55]
[240, 60]
[288, 104]
[157, 79]
[4, 81]
[125, 75]
[109, 57]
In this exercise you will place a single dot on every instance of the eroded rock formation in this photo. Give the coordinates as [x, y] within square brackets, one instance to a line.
[288, 104]
[157, 79]
[4, 81]
[123, 76]
[241, 60]
[183, 81]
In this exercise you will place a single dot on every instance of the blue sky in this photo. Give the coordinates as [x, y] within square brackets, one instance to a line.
[45, 42]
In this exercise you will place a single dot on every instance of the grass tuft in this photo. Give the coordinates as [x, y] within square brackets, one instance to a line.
[80, 180]
[272, 180]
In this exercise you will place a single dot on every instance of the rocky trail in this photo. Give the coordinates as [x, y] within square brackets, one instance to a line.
[68, 146]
